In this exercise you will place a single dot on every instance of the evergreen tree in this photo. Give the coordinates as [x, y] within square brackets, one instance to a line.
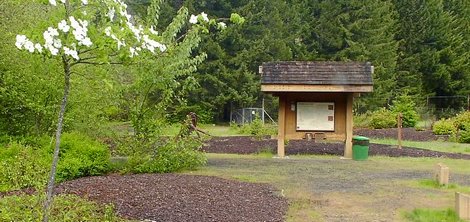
[370, 36]
[430, 62]
[460, 44]
[354, 31]
[229, 77]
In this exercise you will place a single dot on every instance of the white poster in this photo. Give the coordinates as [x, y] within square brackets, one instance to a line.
[315, 116]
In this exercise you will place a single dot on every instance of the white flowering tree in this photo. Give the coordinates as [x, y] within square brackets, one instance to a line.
[101, 32]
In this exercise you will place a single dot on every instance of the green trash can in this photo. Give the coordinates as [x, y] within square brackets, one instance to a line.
[360, 148]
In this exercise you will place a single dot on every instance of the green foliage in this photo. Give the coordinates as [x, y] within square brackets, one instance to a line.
[28, 92]
[428, 215]
[383, 118]
[175, 155]
[203, 115]
[464, 136]
[256, 128]
[161, 84]
[65, 208]
[81, 156]
[405, 105]
[22, 166]
[237, 19]
[462, 120]
[362, 120]
[27, 163]
[444, 127]
[431, 59]
[228, 78]
[458, 126]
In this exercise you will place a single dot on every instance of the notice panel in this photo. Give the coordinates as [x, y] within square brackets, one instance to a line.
[315, 116]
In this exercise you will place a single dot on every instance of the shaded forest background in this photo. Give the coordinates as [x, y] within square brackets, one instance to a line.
[419, 48]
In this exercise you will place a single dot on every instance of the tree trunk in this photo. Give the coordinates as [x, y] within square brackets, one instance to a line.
[51, 183]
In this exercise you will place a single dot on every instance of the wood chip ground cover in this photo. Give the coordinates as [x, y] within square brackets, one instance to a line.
[177, 197]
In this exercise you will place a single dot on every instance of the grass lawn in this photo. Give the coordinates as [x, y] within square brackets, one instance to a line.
[441, 146]
[212, 129]
[327, 188]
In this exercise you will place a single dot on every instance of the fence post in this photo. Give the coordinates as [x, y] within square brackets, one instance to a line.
[468, 102]
[262, 111]
[231, 112]
[399, 126]
[243, 116]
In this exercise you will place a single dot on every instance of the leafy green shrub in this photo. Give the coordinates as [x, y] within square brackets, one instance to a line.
[256, 128]
[29, 165]
[407, 107]
[461, 120]
[362, 120]
[182, 154]
[464, 136]
[383, 118]
[64, 208]
[444, 127]
[81, 156]
[22, 166]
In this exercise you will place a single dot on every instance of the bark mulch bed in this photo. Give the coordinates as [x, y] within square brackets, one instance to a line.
[248, 145]
[177, 197]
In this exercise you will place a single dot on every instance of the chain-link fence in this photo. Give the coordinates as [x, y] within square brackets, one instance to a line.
[447, 106]
[248, 115]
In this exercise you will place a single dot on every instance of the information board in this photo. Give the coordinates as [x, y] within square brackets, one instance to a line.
[315, 116]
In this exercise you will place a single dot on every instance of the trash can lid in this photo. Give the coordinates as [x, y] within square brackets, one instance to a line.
[361, 138]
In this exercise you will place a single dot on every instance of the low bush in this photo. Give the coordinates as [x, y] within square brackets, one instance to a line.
[64, 208]
[464, 136]
[458, 126]
[462, 120]
[444, 127]
[256, 128]
[81, 156]
[362, 120]
[22, 166]
[383, 118]
[173, 156]
[29, 165]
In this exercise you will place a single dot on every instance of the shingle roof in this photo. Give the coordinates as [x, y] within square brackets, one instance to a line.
[317, 73]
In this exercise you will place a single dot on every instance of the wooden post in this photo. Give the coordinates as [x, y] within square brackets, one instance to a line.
[231, 112]
[262, 112]
[281, 127]
[243, 116]
[349, 126]
[399, 126]
[462, 205]
[468, 102]
[441, 174]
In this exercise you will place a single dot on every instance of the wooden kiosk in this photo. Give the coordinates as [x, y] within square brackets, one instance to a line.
[316, 98]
